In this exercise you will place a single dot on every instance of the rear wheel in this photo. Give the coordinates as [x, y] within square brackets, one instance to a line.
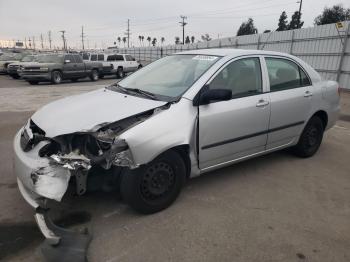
[33, 82]
[155, 186]
[94, 75]
[310, 139]
[56, 77]
[139, 67]
[120, 72]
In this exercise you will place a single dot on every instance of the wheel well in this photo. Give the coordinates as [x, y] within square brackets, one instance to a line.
[184, 152]
[323, 116]
[59, 70]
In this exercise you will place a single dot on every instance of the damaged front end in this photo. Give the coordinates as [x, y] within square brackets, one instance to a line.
[44, 165]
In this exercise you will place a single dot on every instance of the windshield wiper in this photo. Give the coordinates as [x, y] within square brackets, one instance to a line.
[141, 92]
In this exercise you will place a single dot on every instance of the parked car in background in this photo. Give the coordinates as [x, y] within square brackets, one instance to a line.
[118, 64]
[179, 117]
[14, 69]
[8, 58]
[57, 67]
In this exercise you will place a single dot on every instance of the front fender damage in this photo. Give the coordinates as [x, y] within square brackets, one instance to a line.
[71, 156]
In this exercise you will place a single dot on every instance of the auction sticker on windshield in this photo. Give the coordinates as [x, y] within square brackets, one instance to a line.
[205, 57]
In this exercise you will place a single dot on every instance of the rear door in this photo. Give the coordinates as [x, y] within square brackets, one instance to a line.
[233, 129]
[290, 96]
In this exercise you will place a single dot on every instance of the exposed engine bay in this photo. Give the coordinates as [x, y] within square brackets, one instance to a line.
[79, 152]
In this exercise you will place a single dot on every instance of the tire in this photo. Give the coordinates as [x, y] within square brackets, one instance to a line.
[56, 77]
[94, 75]
[120, 73]
[33, 82]
[139, 67]
[101, 76]
[155, 186]
[310, 139]
[15, 76]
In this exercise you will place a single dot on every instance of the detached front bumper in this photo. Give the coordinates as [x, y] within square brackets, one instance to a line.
[38, 181]
[41, 177]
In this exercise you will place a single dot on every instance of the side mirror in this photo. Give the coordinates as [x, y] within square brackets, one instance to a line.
[67, 61]
[214, 95]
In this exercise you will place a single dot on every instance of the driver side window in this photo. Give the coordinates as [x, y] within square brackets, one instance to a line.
[242, 77]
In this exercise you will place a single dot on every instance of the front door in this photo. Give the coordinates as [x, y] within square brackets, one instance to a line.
[229, 130]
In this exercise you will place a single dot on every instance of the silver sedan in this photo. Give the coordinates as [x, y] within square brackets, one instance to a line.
[179, 117]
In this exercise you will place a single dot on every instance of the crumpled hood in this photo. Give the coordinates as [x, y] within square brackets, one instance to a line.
[83, 112]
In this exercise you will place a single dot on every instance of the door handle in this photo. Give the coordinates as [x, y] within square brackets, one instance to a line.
[307, 94]
[262, 103]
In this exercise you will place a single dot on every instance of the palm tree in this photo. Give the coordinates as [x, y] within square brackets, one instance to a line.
[119, 39]
[149, 39]
[192, 39]
[140, 38]
[162, 40]
[124, 41]
[154, 41]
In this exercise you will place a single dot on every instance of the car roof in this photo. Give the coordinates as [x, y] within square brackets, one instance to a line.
[231, 52]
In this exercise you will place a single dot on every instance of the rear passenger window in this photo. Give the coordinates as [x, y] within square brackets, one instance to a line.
[78, 59]
[119, 58]
[100, 57]
[285, 74]
[129, 58]
[242, 77]
[111, 58]
[93, 58]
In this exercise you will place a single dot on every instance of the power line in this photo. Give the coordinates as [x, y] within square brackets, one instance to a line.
[64, 39]
[50, 40]
[42, 41]
[183, 24]
[127, 33]
[82, 36]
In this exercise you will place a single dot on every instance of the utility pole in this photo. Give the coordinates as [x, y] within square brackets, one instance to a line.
[25, 42]
[82, 36]
[33, 42]
[300, 5]
[50, 40]
[42, 41]
[64, 39]
[128, 33]
[183, 23]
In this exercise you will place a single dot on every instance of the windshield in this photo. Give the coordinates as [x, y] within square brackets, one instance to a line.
[170, 76]
[28, 58]
[50, 59]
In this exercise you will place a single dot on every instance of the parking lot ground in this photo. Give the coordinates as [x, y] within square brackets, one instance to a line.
[273, 208]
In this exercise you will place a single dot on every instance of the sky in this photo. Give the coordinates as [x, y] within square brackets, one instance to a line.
[105, 20]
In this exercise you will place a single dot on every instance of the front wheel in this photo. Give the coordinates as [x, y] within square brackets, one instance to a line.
[155, 186]
[56, 77]
[94, 75]
[310, 139]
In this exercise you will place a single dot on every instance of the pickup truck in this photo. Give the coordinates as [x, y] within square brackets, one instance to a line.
[118, 64]
[57, 67]
[9, 58]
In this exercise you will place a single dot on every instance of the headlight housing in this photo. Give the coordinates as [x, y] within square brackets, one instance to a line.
[44, 69]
